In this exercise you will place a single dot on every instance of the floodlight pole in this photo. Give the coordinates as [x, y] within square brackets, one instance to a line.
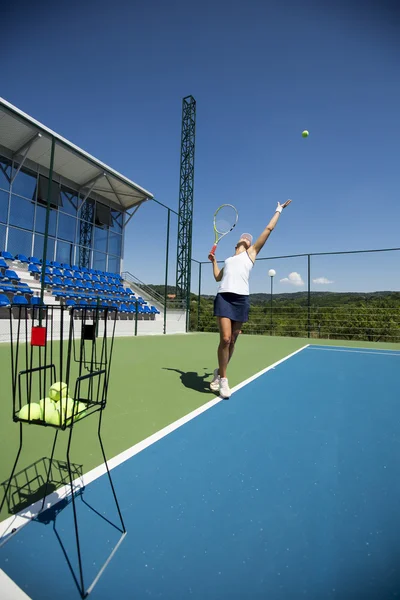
[186, 194]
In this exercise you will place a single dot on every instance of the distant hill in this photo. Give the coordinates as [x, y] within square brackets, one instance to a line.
[324, 298]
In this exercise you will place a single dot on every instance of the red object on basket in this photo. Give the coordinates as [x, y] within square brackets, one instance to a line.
[38, 336]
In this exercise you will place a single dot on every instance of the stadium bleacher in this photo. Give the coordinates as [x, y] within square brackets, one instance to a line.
[20, 281]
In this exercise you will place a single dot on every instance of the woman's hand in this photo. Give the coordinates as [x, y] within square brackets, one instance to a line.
[282, 206]
[212, 257]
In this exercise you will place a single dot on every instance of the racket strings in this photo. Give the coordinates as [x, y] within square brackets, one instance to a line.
[225, 219]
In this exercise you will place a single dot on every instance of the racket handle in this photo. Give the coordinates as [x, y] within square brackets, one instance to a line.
[213, 249]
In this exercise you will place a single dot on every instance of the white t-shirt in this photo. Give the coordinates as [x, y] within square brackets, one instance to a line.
[235, 278]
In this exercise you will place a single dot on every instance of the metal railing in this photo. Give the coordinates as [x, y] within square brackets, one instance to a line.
[146, 289]
[373, 324]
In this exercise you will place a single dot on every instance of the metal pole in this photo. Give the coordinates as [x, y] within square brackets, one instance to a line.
[166, 272]
[46, 227]
[198, 303]
[272, 279]
[136, 316]
[309, 294]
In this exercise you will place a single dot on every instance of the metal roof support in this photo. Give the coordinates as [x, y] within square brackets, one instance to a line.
[113, 189]
[5, 173]
[25, 150]
[134, 212]
[91, 183]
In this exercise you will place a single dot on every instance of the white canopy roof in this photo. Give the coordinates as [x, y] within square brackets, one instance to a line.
[18, 130]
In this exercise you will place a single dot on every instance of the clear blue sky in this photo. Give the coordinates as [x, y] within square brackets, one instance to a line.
[110, 76]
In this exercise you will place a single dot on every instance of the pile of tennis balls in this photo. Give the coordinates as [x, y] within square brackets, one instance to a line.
[56, 409]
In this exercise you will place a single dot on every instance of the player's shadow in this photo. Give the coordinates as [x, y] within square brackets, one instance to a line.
[193, 381]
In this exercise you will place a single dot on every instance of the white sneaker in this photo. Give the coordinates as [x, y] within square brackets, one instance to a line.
[214, 385]
[224, 390]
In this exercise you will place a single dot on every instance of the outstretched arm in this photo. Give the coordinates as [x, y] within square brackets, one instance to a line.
[258, 245]
[216, 270]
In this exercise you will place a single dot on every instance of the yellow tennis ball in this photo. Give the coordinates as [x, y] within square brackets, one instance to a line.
[80, 411]
[58, 390]
[53, 417]
[305, 133]
[30, 412]
[66, 407]
[46, 404]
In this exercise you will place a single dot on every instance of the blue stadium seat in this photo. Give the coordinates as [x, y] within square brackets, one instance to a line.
[20, 301]
[11, 275]
[33, 269]
[4, 301]
[7, 255]
[22, 258]
[34, 260]
[23, 288]
[6, 287]
[36, 301]
[3, 264]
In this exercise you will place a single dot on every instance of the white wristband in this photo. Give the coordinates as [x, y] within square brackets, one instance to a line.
[279, 209]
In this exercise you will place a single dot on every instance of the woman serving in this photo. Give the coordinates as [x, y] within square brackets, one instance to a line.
[232, 303]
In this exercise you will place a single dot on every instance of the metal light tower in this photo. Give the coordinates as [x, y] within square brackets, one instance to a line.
[184, 245]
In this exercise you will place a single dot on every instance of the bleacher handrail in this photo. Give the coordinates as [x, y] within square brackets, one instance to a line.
[128, 277]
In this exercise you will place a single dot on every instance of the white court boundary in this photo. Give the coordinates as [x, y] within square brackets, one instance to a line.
[355, 350]
[11, 590]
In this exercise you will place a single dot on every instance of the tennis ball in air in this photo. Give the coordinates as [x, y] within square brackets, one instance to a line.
[305, 133]
[58, 390]
[30, 412]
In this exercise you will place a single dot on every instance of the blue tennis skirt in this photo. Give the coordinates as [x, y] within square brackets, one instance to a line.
[232, 306]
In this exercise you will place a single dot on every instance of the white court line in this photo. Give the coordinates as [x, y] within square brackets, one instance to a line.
[10, 590]
[22, 518]
[379, 353]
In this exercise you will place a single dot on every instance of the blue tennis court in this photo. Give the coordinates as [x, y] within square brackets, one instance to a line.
[290, 489]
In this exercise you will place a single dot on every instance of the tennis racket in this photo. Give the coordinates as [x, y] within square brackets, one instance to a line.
[225, 219]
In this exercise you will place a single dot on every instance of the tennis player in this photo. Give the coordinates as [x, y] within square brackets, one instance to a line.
[232, 303]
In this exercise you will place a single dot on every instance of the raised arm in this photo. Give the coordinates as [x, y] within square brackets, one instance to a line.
[258, 245]
[216, 270]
